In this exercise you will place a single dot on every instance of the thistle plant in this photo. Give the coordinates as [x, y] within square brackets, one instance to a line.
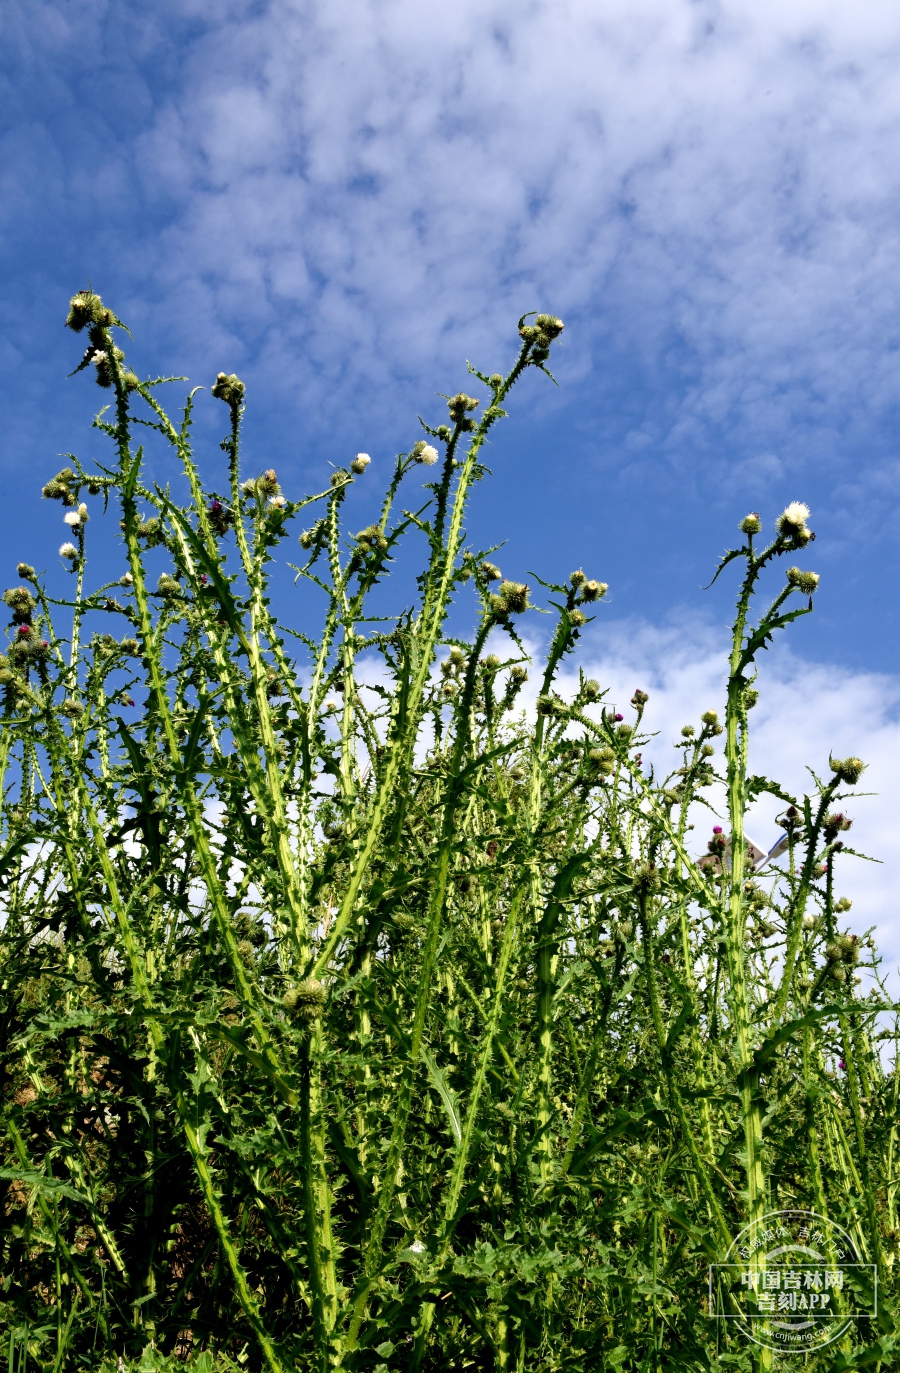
[356, 1016]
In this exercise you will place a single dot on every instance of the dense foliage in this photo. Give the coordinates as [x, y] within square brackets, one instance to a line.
[355, 1016]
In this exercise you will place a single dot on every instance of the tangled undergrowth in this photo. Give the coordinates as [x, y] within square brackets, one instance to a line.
[354, 1016]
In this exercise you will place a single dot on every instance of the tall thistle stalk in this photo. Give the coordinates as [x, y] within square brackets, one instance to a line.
[360, 1010]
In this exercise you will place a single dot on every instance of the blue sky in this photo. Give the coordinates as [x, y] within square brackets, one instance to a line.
[343, 201]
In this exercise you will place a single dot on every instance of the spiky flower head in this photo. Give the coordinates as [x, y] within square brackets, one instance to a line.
[577, 578]
[360, 463]
[490, 572]
[27, 572]
[277, 502]
[593, 590]
[73, 519]
[458, 405]
[750, 524]
[791, 523]
[21, 602]
[267, 483]
[496, 380]
[85, 308]
[804, 581]
[836, 824]
[514, 596]
[306, 1000]
[339, 476]
[843, 904]
[492, 662]
[591, 690]
[69, 551]
[73, 709]
[640, 698]
[229, 388]
[518, 674]
[577, 618]
[427, 455]
[126, 579]
[848, 770]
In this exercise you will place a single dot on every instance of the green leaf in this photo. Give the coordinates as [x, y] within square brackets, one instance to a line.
[445, 1093]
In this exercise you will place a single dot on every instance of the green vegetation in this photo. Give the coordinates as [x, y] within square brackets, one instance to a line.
[354, 1016]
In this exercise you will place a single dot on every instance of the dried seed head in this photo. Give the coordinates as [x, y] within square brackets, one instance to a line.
[751, 524]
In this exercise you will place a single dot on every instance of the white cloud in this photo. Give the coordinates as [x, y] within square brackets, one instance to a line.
[375, 188]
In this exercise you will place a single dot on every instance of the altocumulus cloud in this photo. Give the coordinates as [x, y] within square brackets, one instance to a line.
[368, 191]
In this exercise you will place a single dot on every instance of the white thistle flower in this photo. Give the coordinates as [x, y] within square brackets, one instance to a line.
[363, 459]
[68, 550]
[83, 513]
[278, 502]
[72, 518]
[417, 1247]
[795, 515]
[99, 356]
[428, 455]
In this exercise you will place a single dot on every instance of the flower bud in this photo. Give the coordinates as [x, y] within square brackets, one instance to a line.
[518, 673]
[229, 388]
[306, 1000]
[847, 770]
[492, 662]
[490, 572]
[496, 380]
[26, 571]
[21, 603]
[844, 904]
[591, 690]
[267, 483]
[514, 595]
[593, 590]
[73, 709]
[577, 578]
[338, 477]
[577, 618]
[549, 325]
[804, 581]
[86, 308]
[640, 698]
[750, 524]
